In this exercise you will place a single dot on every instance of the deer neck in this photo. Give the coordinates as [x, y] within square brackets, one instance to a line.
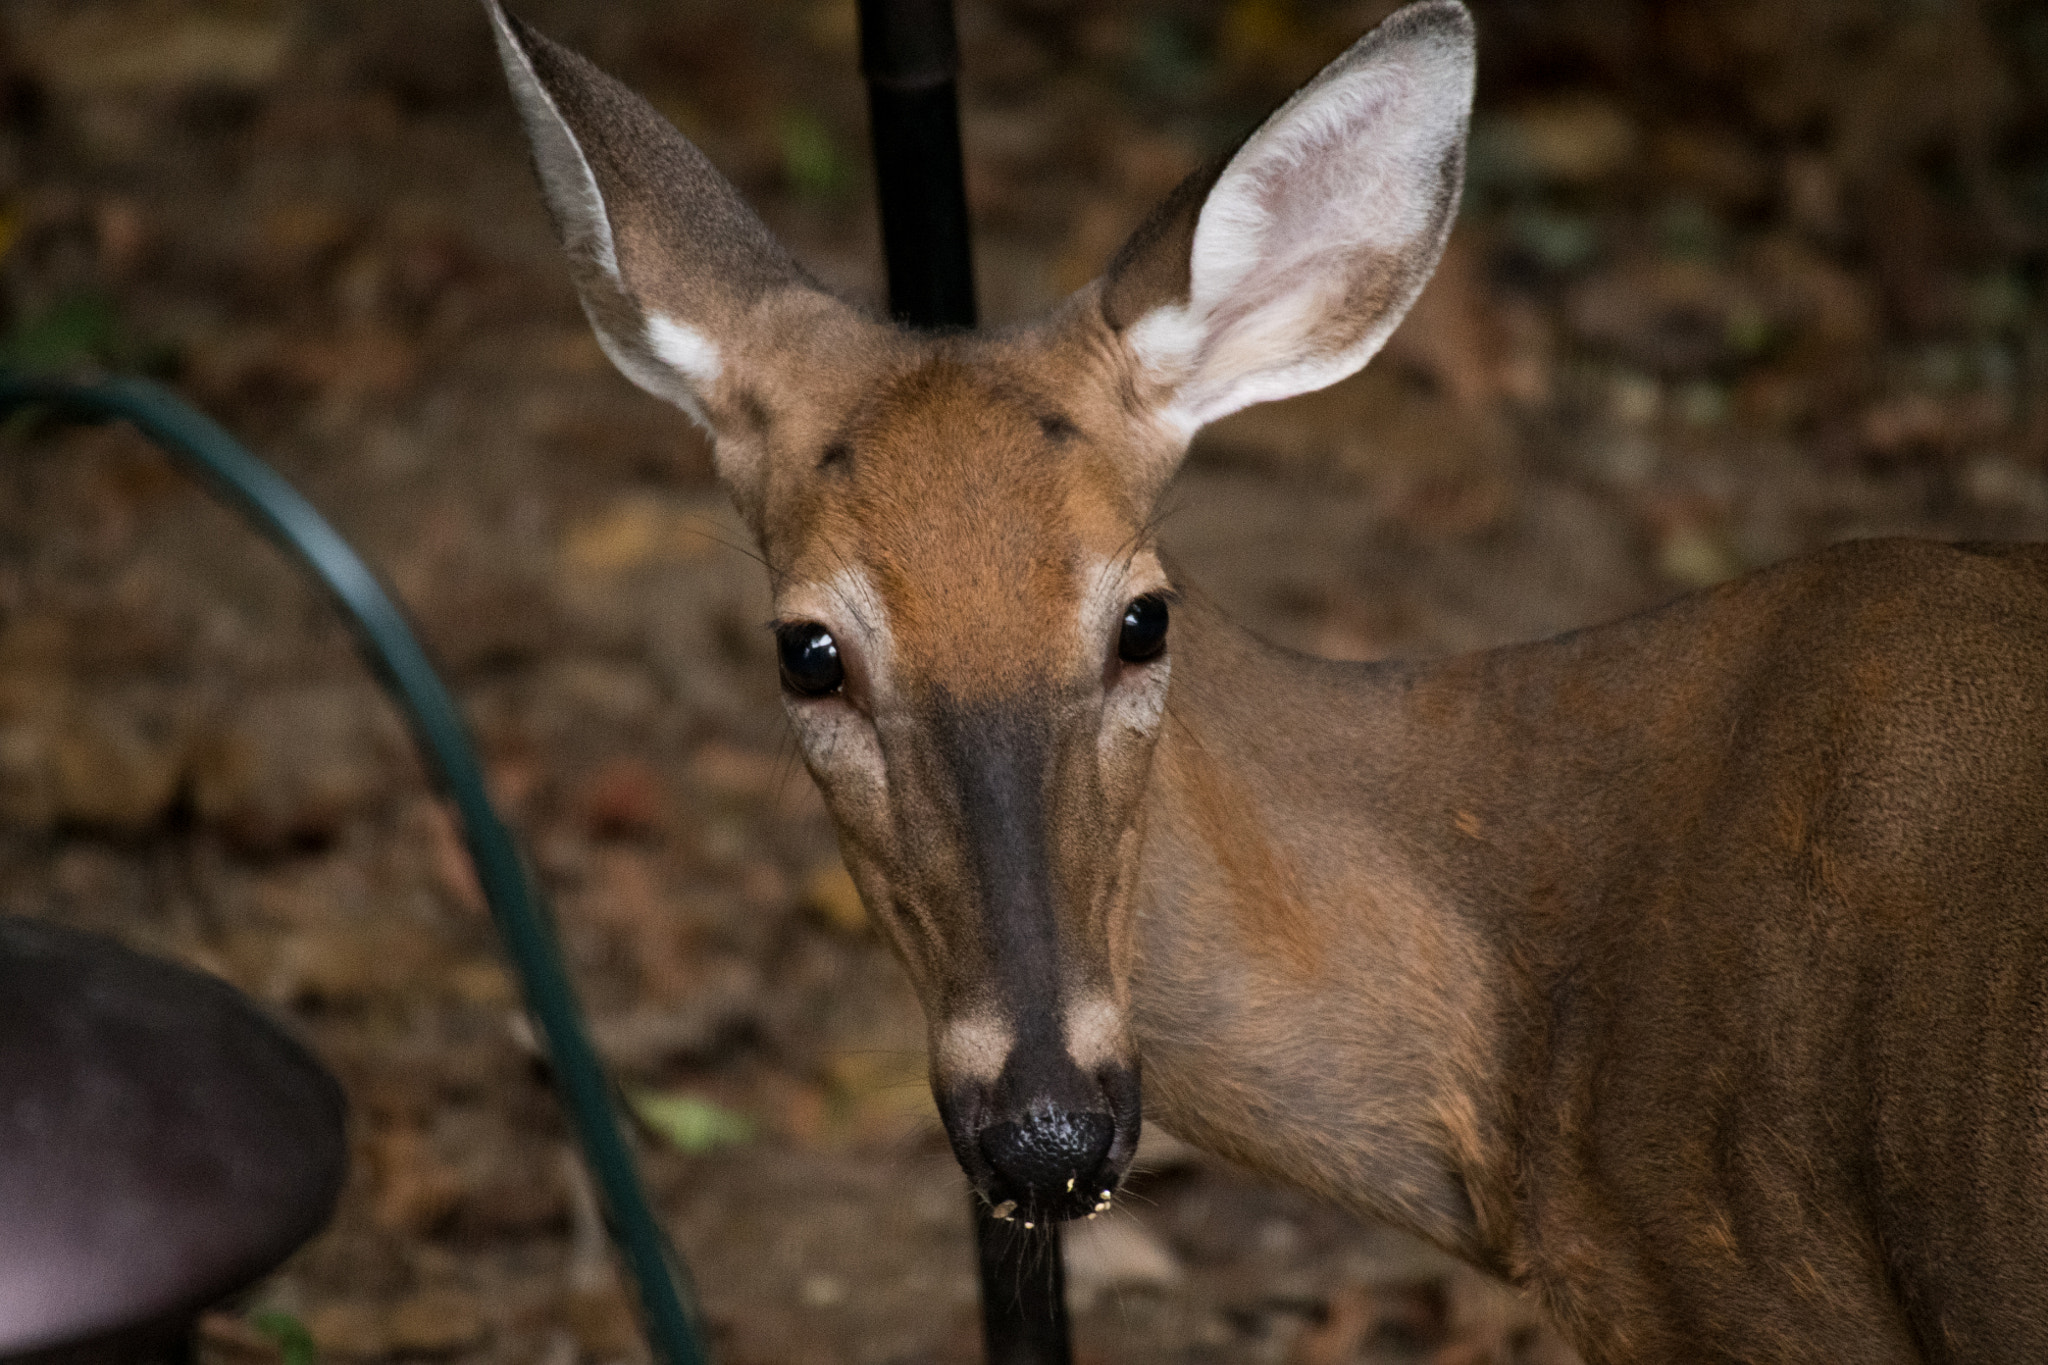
[1326, 986]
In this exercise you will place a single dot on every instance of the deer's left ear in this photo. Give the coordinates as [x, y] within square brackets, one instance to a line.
[690, 295]
[1286, 270]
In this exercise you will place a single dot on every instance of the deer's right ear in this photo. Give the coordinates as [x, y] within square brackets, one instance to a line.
[1284, 269]
[689, 293]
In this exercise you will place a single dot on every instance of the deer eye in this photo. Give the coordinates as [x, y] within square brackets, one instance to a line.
[810, 659]
[1143, 638]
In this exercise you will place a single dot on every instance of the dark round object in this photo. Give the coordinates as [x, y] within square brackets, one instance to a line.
[1143, 637]
[1050, 1161]
[162, 1144]
[810, 659]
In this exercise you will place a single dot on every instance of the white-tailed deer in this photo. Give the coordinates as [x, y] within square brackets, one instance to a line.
[1691, 971]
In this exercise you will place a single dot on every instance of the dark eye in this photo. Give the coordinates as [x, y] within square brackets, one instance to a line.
[1144, 633]
[810, 659]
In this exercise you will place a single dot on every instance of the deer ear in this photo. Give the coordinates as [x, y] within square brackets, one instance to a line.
[1286, 268]
[683, 284]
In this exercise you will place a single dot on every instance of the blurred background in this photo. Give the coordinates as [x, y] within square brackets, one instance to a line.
[1734, 279]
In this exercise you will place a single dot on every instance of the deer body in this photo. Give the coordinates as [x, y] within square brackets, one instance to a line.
[1688, 971]
[1692, 970]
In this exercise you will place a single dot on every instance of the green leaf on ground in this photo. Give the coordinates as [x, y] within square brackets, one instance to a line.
[811, 159]
[77, 329]
[294, 1342]
[691, 1124]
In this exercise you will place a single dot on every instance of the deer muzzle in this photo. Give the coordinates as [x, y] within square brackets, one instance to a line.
[1047, 1122]
[1046, 1141]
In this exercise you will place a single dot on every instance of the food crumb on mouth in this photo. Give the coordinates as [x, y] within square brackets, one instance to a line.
[1005, 1210]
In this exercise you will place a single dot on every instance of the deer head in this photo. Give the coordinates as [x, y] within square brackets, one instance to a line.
[972, 619]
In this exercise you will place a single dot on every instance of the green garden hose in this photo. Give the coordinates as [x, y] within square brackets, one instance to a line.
[668, 1303]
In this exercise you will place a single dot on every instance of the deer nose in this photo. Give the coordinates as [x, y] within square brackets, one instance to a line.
[1051, 1159]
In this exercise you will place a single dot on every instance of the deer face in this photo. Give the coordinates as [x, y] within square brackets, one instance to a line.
[974, 633]
[973, 624]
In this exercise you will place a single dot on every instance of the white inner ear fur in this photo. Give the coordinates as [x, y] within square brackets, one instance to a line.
[1345, 182]
[565, 172]
[693, 354]
[669, 360]
[688, 352]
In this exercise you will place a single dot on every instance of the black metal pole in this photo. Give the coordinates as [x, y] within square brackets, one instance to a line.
[911, 59]
[1023, 1292]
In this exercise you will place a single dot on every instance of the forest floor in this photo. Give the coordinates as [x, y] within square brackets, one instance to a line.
[1732, 282]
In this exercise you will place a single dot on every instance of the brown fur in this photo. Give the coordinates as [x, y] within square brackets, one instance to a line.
[1264, 893]
[1768, 961]
[1691, 971]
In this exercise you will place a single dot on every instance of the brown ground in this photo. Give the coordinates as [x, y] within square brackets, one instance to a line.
[1735, 279]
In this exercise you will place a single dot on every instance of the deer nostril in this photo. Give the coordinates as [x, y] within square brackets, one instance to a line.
[1047, 1154]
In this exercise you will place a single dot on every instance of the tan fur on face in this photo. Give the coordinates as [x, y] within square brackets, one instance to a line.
[968, 532]
[971, 523]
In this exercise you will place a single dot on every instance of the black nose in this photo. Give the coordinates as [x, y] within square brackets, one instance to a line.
[1051, 1157]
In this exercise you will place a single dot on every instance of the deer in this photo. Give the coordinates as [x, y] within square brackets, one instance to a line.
[1689, 971]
